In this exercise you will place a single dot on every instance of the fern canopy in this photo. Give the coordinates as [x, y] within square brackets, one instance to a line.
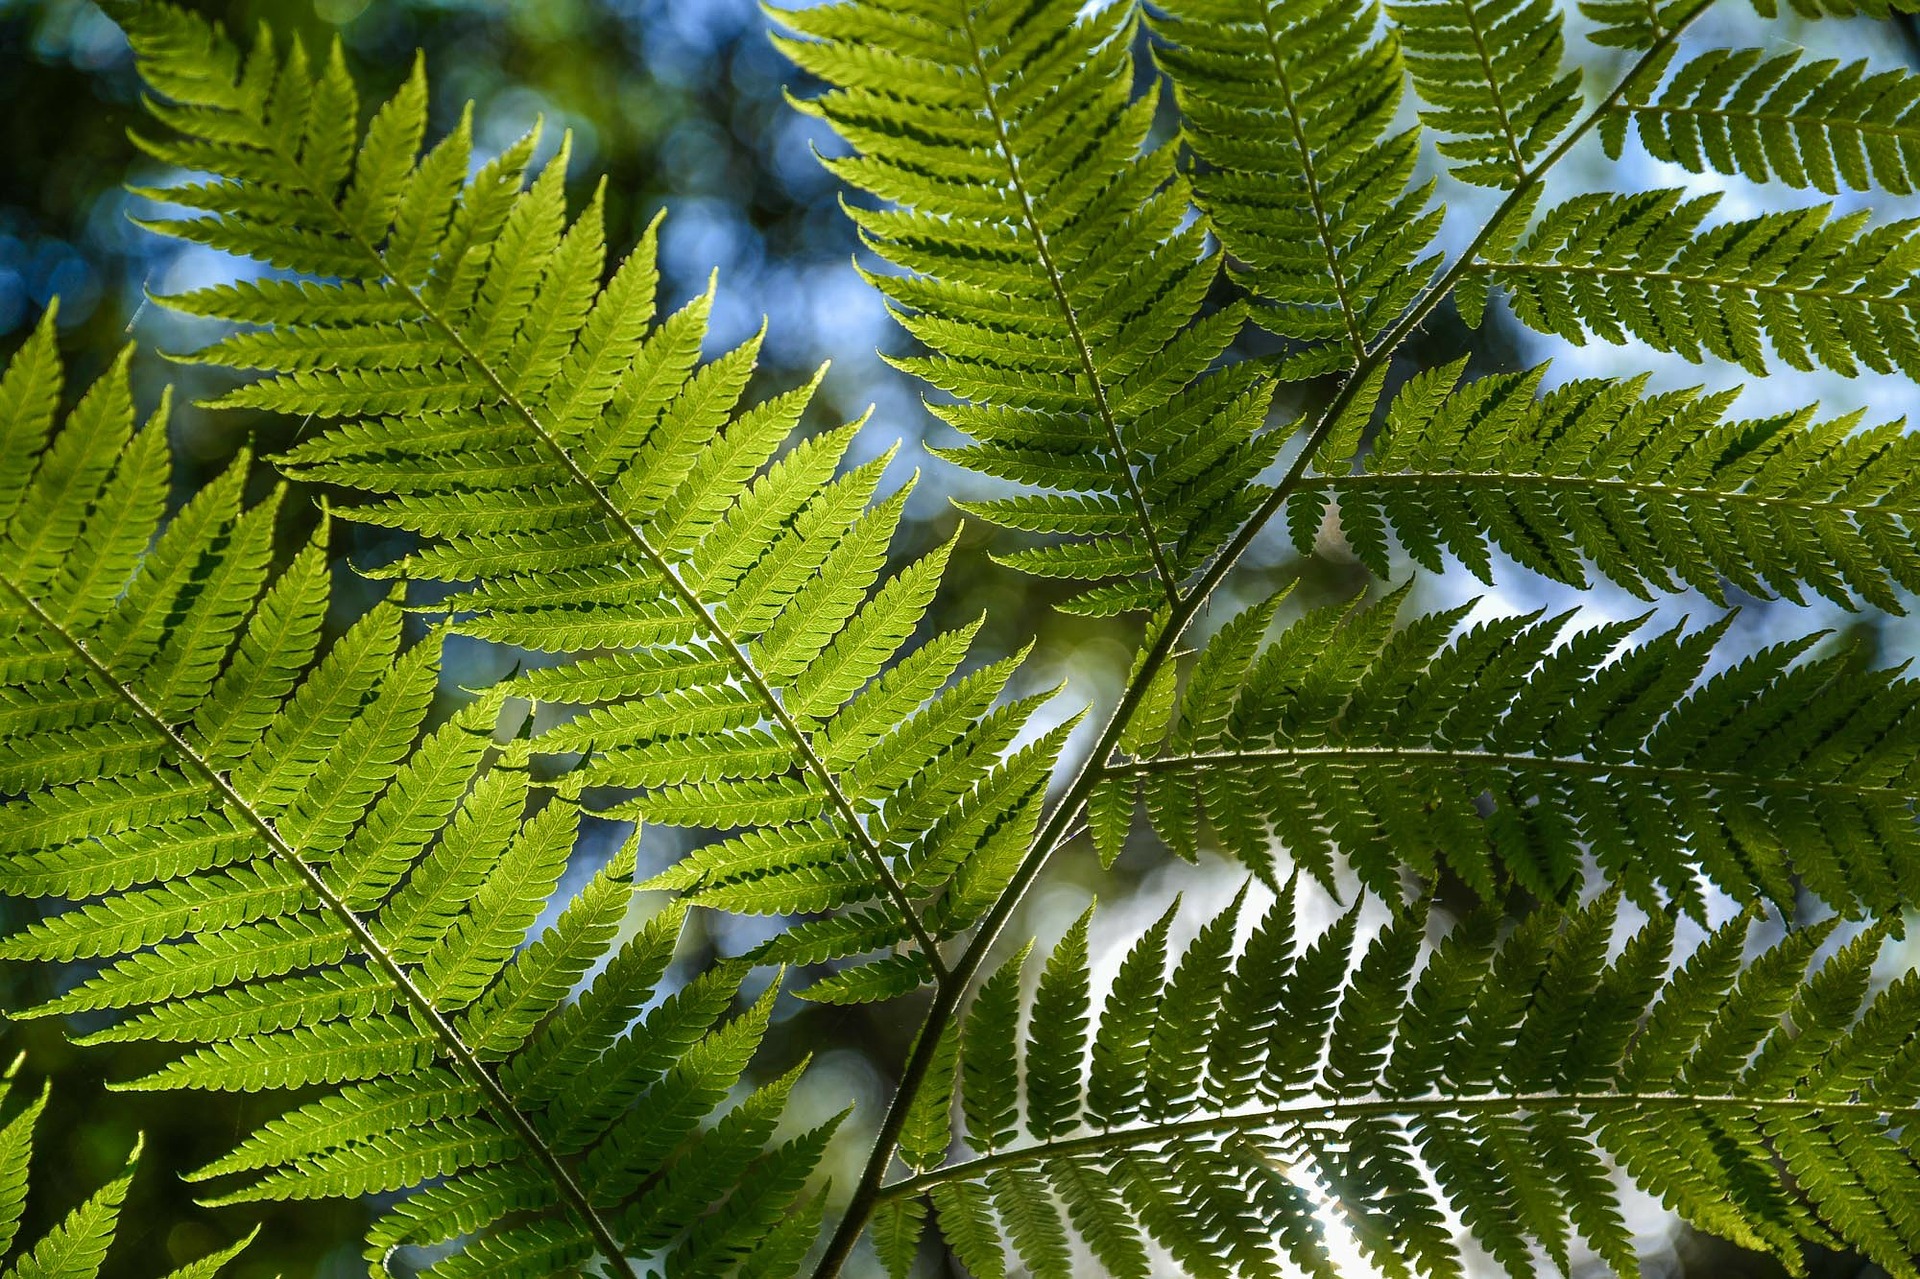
[295, 867]
[281, 872]
[1244, 1103]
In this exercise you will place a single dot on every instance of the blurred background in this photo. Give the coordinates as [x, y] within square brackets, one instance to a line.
[679, 103]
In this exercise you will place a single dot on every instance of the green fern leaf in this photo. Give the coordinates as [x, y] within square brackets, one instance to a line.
[297, 886]
[1802, 122]
[284, 863]
[1289, 107]
[1050, 278]
[1818, 289]
[590, 486]
[1350, 738]
[1515, 1128]
[1490, 76]
[1057, 1037]
[1116, 1085]
[992, 1087]
[1656, 492]
[926, 1135]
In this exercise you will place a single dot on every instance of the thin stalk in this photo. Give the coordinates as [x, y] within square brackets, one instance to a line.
[1598, 271]
[1490, 759]
[1543, 480]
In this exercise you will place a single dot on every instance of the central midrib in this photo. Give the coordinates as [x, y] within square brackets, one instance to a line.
[1057, 283]
[1544, 479]
[1334, 1110]
[1499, 759]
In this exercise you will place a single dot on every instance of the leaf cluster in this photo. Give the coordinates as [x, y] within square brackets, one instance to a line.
[1228, 1098]
[296, 866]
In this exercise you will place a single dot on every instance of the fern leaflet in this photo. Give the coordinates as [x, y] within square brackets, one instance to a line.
[596, 490]
[1656, 492]
[1803, 122]
[1234, 1109]
[1489, 74]
[278, 874]
[1051, 276]
[1506, 755]
[1821, 290]
[1289, 105]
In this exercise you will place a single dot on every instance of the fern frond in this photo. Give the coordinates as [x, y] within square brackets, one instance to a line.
[1801, 121]
[1489, 74]
[77, 1247]
[1644, 24]
[1288, 105]
[1049, 272]
[1655, 492]
[1879, 10]
[1332, 1083]
[745, 664]
[1818, 289]
[274, 870]
[1503, 753]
